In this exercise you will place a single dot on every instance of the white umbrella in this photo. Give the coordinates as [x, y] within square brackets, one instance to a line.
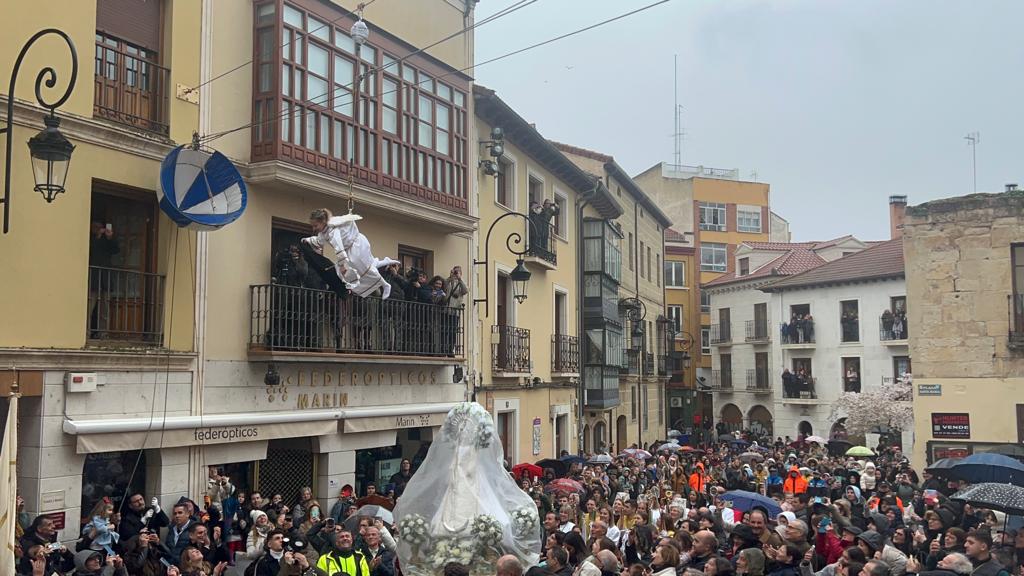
[816, 440]
[600, 459]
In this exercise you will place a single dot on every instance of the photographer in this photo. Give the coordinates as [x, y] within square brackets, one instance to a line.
[137, 516]
[143, 552]
[218, 487]
[41, 535]
[277, 560]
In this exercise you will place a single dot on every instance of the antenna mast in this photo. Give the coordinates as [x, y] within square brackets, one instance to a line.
[677, 132]
[973, 138]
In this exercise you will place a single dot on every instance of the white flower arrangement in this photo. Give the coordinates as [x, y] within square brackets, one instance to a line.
[447, 550]
[524, 520]
[487, 530]
[413, 529]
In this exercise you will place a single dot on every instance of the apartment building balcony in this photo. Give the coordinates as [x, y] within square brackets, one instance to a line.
[721, 335]
[649, 365]
[131, 86]
[632, 365]
[892, 329]
[757, 332]
[757, 381]
[510, 350]
[663, 365]
[289, 323]
[565, 355]
[800, 391]
[721, 380]
[543, 248]
[795, 340]
[126, 308]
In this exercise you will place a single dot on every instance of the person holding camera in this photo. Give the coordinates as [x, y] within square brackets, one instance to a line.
[42, 536]
[218, 487]
[136, 516]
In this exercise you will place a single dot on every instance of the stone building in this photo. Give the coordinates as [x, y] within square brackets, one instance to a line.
[965, 282]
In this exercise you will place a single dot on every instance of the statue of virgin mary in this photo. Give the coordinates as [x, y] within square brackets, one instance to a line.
[461, 505]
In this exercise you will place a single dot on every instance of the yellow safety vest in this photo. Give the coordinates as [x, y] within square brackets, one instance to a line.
[332, 564]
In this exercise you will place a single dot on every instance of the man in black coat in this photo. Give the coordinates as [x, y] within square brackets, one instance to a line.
[137, 516]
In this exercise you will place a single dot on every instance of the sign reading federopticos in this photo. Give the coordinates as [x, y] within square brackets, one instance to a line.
[91, 443]
[951, 425]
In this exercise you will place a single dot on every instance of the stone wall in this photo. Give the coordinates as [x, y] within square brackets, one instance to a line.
[958, 271]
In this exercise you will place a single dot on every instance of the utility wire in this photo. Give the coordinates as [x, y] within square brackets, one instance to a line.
[248, 62]
[329, 99]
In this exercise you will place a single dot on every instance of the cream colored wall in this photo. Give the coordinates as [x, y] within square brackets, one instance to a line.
[533, 404]
[45, 255]
[240, 256]
[537, 313]
[732, 191]
[673, 195]
[991, 402]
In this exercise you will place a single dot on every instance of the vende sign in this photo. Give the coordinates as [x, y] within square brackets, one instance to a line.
[951, 425]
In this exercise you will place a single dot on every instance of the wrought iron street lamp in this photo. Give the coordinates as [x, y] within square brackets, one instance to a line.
[519, 276]
[50, 150]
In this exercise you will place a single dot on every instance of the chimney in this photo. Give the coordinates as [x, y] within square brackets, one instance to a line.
[897, 210]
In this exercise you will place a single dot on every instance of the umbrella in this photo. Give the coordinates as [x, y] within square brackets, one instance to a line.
[372, 511]
[860, 451]
[942, 467]
[524, 469]
[984, 467]
[564, 486]
[571, 459]
[670, 446]
[816, 440]
[376, 500]
[726, 438]
[1003, 497]
[558, 466]
[739, 442]
[636, 453]
[1011, 450]
[674, 433]
[600, 459]
[748, 456]
[745, 501]
[687, 449]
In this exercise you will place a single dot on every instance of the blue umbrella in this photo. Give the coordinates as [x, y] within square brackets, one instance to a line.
[746, 501]
[987, 467]
[572, 459]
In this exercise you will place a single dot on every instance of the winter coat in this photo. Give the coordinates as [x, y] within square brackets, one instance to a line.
[795, 482]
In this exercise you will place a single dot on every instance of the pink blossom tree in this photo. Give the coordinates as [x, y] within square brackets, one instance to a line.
[889, 406]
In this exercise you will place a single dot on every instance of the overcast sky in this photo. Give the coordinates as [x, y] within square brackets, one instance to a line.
[836, 104]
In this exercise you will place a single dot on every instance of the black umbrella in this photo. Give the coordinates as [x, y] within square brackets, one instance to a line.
[985, 467]
[942, 467]
[559, 467]
[1003, 497]
[1011, 450]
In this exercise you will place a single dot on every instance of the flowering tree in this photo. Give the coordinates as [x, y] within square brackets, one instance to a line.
[890, 406]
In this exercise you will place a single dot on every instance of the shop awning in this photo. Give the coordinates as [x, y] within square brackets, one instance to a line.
[164, 432]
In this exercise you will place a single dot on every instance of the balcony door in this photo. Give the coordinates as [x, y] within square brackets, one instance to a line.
[502, 318]
[760, 320]
[761, 370]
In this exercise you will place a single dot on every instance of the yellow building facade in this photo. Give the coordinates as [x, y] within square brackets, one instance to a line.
[98, 303]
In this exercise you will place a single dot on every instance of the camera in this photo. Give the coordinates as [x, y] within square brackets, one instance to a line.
[294, 545]
[329, 524]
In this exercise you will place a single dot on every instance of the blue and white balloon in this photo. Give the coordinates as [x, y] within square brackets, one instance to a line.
[200, 190]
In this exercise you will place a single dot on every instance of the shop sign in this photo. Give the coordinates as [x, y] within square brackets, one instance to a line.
[318, 388]
[394, 422]
[951, 425]
[929, 389]
[940, 452]
[51, 501]
[57, 518]
[92, 443]
[536, 436]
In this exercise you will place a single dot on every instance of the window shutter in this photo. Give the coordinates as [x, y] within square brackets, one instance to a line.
[135, 21]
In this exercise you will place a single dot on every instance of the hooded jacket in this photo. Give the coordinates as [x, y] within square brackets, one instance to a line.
[82, 557]
[698, 480]
[896, 560]
[795, 484]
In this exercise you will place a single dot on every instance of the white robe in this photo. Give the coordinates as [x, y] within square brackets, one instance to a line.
[351, 254]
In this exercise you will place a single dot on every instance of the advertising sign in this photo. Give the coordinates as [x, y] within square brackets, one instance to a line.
[951, 425]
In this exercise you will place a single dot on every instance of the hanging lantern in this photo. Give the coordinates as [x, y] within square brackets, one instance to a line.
[51, 156]
[520, 277]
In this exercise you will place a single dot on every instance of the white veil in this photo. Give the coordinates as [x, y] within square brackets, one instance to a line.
[461, 505]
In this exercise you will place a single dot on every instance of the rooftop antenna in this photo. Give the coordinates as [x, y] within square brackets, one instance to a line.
[677, 133]
[973, 138]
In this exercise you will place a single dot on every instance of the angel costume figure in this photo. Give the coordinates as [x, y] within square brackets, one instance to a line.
[353, 261]
[461, 506]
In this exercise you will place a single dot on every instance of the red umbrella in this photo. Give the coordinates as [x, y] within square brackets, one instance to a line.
[524, 469]
[564, 486]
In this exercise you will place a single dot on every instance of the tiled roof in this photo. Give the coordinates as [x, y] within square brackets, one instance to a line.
[882, 261]
[578, 151]
[813, 245]
[673, 236]
[794, 261]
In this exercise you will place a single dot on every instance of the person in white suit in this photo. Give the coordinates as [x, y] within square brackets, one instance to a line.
[353, 259]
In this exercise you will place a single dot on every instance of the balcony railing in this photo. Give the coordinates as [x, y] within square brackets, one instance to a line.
[892, 327]
[544, 247]
[632, 358]
[663, 365]
[757, 331]
[565, 354]
[721, 334]
[799, 387]
[510, 349]
[797, 333]
[721, 379]
[125, 306]
[648, 363]
[130, 88]
[757, 380]
[1015, 313]
[292, 319]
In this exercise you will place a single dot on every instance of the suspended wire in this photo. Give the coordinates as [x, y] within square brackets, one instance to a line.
[504, 12]
[329, 99]
[248, 62]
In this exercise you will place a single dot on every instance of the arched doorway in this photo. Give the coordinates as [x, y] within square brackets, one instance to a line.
[760, 421]
[587, 445]
[620, 433]
[732, 417]
[600, 440]
[838, 431]
[805, 428]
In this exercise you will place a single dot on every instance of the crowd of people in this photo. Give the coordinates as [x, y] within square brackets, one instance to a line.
[670, 513]
[799, 329]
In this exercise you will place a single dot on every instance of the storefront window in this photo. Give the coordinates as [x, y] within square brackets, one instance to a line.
[116, 475]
